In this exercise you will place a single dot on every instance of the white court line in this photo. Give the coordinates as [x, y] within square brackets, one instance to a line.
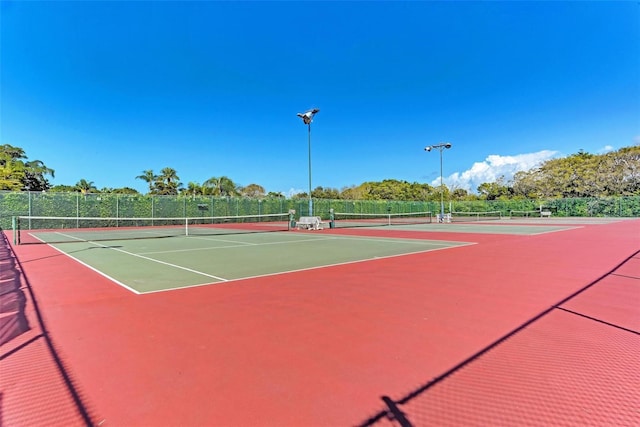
[306, 239]
[147, 258]
[221, 240]
[164, 263]
[309, 268]
[117, 282]
[65, 235]
[397, 240]
[313, 239]
[233, 246]
[556, 231]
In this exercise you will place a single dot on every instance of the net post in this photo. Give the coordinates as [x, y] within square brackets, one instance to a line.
[291, 224]
[16, 231]
[186, 226]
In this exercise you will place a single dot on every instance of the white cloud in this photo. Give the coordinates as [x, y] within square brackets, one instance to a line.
[293, 191]
[605, 149]
[493, 167]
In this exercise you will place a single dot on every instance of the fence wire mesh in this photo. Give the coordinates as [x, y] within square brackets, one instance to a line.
[150, 206]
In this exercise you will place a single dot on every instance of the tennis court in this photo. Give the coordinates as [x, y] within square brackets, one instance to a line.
[484, 228]
[149, 265]
[467, 222]
[463, 222]
[160, 254]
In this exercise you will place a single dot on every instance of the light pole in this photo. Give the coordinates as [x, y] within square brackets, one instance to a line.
[440, 147]
[307, 118]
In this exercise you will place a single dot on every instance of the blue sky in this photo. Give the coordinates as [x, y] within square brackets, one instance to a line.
[104, 90]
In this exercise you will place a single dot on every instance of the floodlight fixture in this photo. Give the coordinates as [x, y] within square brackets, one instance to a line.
[307, 117]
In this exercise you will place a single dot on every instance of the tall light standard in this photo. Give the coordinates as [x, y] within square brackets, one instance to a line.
[307, 118]
[440, 147]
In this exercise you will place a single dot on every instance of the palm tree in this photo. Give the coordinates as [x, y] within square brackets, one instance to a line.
[34, 179]
[169, 175]
[12, 152]
[150, 178]
[168, 181]
[85, 186]
[221, 186]
[17, 174]
[193, 189]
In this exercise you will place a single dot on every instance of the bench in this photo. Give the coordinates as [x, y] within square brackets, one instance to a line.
[310, 223]
[545, 214]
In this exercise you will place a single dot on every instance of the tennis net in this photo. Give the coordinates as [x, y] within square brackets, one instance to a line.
[475, 216]
[376, 220]
[524, 214]
[48, 229]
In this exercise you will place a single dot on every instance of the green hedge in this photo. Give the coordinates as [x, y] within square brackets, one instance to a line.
[139, 206]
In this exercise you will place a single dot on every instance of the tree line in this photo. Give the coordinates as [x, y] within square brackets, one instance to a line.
[616, 173]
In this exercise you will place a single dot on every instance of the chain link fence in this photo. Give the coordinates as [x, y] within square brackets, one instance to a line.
[106, 205]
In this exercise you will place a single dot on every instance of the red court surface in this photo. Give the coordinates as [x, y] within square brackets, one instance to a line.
[515, 330]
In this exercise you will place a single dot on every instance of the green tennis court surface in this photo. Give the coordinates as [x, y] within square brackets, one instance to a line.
[151, 265]
[489, 227]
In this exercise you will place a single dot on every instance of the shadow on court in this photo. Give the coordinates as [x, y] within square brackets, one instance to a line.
[537, 365]
[13, 320]
[35, 386]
